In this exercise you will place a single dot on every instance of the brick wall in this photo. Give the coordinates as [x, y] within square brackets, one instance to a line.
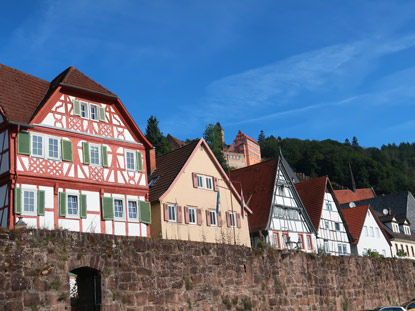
[139, 274]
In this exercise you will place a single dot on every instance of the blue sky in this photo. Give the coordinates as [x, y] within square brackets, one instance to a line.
[301, 69]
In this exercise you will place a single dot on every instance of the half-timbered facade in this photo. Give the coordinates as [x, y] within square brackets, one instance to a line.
[279, 216]
[318, 198]
[72, 157]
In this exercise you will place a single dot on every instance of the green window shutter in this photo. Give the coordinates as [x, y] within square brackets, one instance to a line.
[85, 152]
[62, 204]
[101, 114]
[139, 161]
[23, 143]
[145, 212]
[66, 150]
[104, 155]
[107, 208]
[17, 200]
[82, 201]
[41, 202]
[76, 107]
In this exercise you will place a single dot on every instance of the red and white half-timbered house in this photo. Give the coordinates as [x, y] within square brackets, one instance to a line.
[71, 157]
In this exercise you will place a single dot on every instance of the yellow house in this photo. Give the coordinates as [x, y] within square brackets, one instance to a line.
[193, 199]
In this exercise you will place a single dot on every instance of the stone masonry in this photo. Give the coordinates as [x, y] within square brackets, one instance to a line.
[146, 275]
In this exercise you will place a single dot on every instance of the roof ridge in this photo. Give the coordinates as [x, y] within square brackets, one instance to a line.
[181, 148]
[312, 180]
[256, 164]
[69, 71]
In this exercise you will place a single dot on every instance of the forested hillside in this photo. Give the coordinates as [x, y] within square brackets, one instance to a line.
[388, 170]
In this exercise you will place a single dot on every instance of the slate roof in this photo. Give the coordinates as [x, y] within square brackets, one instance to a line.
[312, 194]
[355, 218]
[22, 95]
[393, 235]
[168, 167]
[346, 196]
[397, 203]
[258, 184]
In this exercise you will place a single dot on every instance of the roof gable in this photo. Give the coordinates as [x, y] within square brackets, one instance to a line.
[346, 196]
[355, 218]
[312, 195]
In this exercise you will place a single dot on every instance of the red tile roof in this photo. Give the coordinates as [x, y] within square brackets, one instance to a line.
[312, 194]
[21, 94]
[347, 196]
[355, 218]
[258, 185]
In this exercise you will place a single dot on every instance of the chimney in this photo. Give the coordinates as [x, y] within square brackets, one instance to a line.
[390, 212]
[151, 160]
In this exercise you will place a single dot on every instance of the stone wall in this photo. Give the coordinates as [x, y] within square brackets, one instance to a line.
[141, 274]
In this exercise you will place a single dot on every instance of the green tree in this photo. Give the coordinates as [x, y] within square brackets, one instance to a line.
[213, 137]
[155, 136]
[261, 137]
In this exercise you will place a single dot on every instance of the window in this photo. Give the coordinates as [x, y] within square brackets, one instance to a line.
[337, 226]
[371, 232]
[377, 232]
[300, 243]
[132, 210]
[364, 251]
[326, 225]
[365, 230]
[344, 249]
[383, 253]
[118, 209]
[395, 227]
[326, 246]
[213, 218]
[209, 183]
[407, 230]
[232, 219]
[37, 145]
[130, 160]
[192, 215]
[329, 207]
[84, 110]
[285, 240]
[172, 213]
[29, 205]
[199, 181]
[309, 242]
[340, 249]
[94, 155]
[276, 239]
[53, 147]
[94, 112]
[72, 206]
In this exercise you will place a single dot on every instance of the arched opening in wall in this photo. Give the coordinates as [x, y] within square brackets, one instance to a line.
[85, 289]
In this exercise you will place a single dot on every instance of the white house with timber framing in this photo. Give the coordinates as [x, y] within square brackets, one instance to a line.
[71, 156]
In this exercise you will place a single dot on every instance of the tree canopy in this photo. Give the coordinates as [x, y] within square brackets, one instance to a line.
[213, 137]
[389, 169]
[155, 136]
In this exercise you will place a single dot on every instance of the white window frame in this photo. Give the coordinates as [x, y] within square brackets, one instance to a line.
[172, 210]
[329, 207]
[122, 206]
[377, 232]
[48, 149]
[205, 182]
[77, 216]
[326, 246]
[96, 118]
[326, 225]
[407, 230]
[366, 231]
[135, 219]
[99, 155]
[213, 216]
[86, 105]
[344, 249]
[395, 227]
[276, 240]
[340, 249]
[31, 145]
[29, 213]
[372, 232]
[200, 181]
[232, 220]
[191, 210]
[209, 182]
[134, 153]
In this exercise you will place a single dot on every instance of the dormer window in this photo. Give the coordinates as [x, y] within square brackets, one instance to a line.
[395, 227]
[407, 230]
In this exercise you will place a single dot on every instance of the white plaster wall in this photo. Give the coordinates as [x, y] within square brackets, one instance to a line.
[92, 223]
[92, 200]
[119, 228]
[69, 166]
[133, 229]
[410, 246]
[49, 120]
[144, 230]
[108, 226]
[31, 222]
[372, 243]
[69, 224]
[47, 221]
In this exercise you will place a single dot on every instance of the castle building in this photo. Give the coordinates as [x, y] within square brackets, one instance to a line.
[71, 156]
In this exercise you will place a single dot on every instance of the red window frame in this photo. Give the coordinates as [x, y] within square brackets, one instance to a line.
[300, 235]
[285, 246]
[309, 245]
[276, 234]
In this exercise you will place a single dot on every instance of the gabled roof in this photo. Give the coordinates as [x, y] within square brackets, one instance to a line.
[171, 164]
[175, 143]
[168, 167]
[346, 196]
[22, 95]
[355, 218]
[393, 235]
[258, 184]
[399, 203]
[312, 194]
